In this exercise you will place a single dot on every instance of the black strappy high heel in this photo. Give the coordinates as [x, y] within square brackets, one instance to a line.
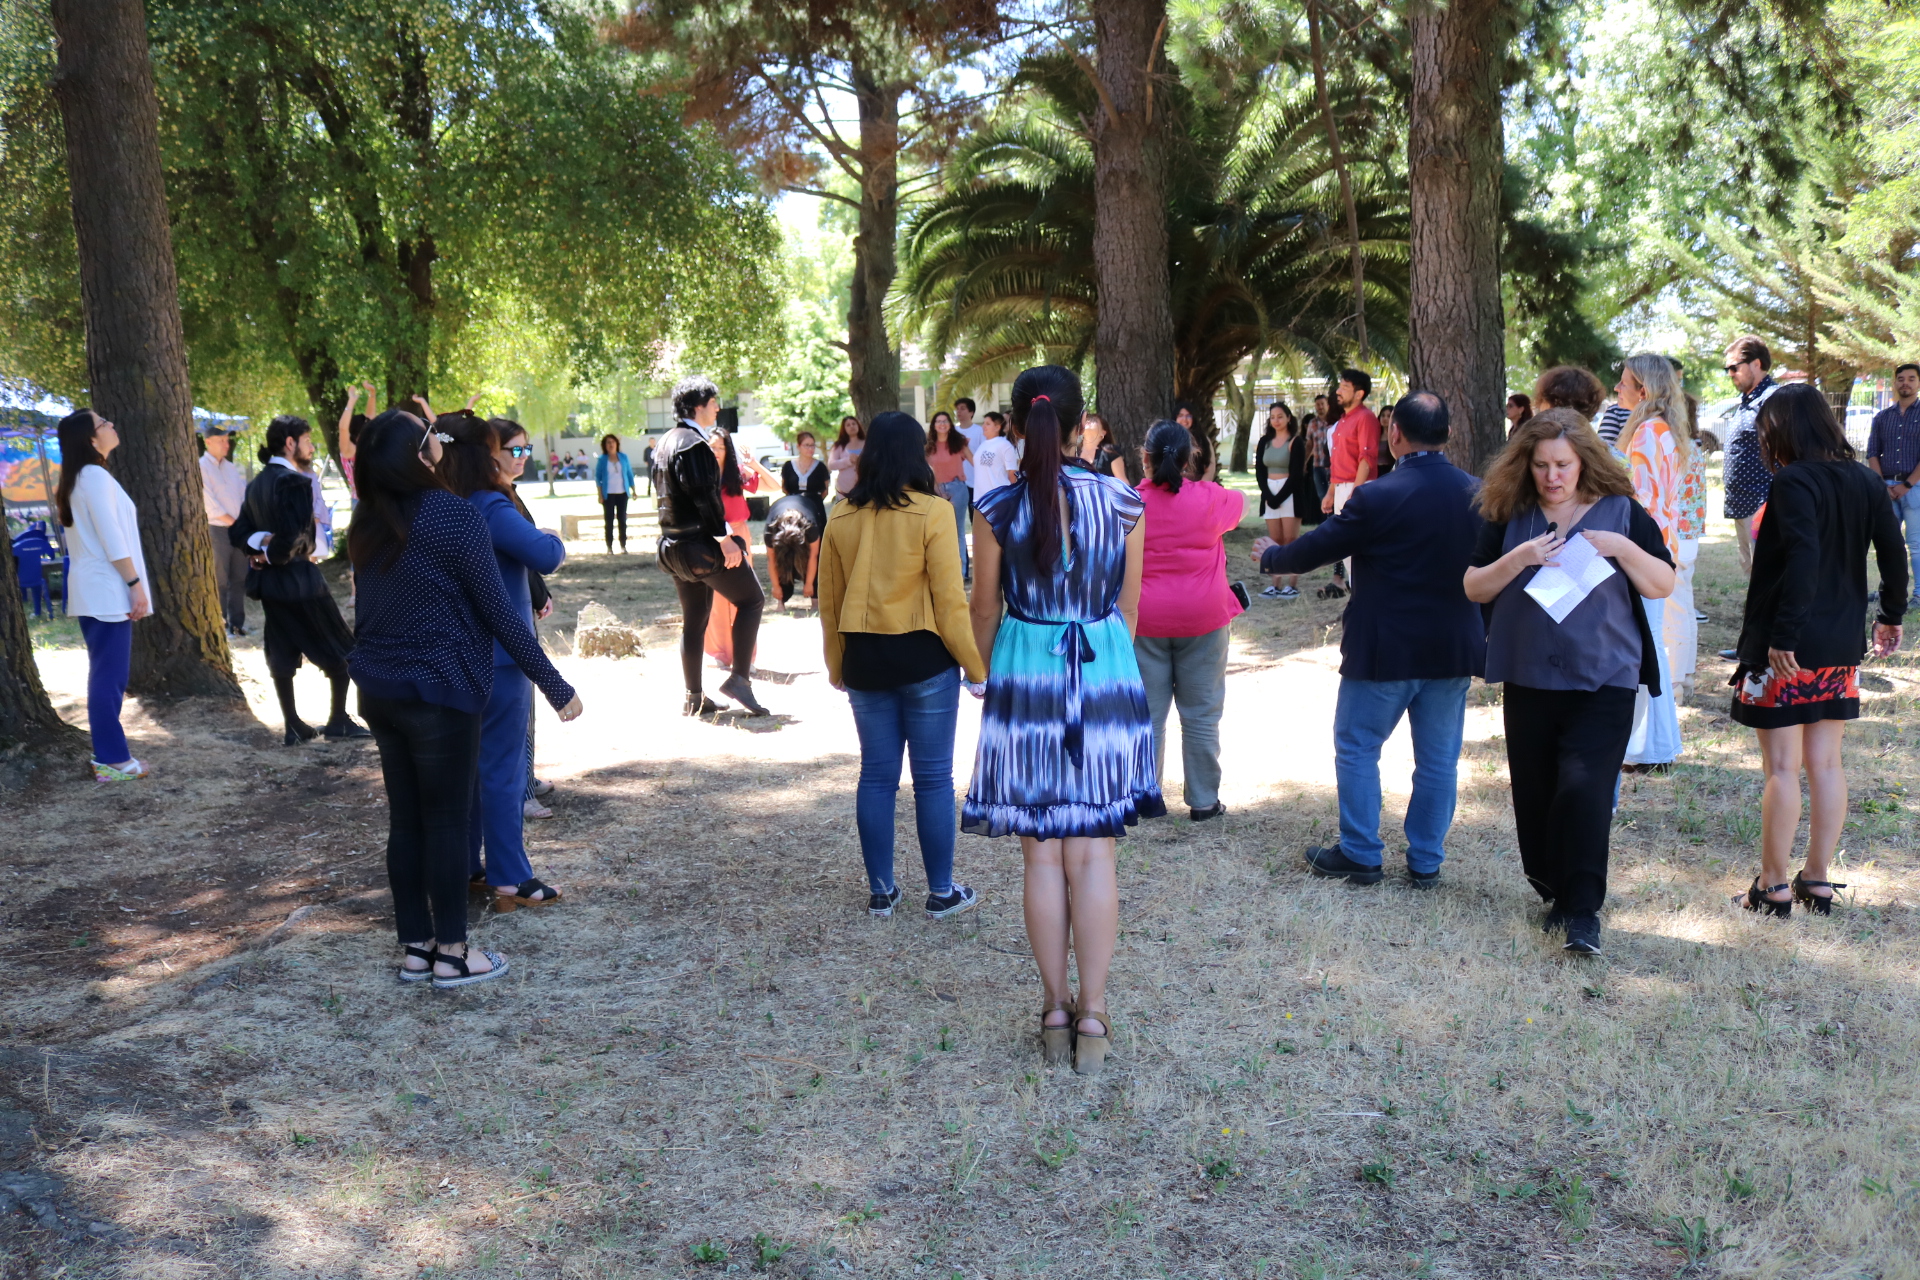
[1814, 902]
[1757, 899]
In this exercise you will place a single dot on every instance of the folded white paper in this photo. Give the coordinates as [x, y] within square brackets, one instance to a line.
[1577, 570]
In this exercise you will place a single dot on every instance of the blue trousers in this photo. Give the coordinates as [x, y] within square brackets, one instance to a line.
[109, 658]
[957, 493]
[1364, 718]
[1908, 510]
[917, 719]
[497, 815]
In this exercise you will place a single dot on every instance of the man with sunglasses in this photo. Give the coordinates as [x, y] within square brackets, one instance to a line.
[1745, 477]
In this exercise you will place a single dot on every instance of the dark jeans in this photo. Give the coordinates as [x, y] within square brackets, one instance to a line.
[1564, 749]
[428, 756]
[612, 506]
[230, 577]
[919, 719]
[740, 587]
[109, 658]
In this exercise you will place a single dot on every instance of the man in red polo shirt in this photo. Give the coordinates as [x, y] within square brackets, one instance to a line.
[1355, 451]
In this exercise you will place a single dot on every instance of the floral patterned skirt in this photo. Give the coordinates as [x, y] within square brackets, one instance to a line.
[1763, 700]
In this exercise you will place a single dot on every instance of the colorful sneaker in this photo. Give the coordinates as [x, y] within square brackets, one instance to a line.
[125, 771]
[959, 899]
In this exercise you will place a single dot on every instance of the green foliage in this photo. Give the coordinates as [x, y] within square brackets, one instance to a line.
[807, 389]
[356, 187]
[999, 268]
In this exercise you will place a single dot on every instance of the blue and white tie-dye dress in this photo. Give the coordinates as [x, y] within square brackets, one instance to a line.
[1066, 744]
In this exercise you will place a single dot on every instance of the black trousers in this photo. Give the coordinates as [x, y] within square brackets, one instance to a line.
[740, 587]
[430, 757]
[1564, 750]
[612, 506]
[230, 577]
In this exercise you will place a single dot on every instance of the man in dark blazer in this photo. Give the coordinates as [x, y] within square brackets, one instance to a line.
[1411, 640]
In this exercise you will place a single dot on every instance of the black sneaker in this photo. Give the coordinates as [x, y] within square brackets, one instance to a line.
[1583, 934]
[1218, 810]
[1423, 879]
[960, 899]
[1329, 860]
[1556, 921]
[882, 904]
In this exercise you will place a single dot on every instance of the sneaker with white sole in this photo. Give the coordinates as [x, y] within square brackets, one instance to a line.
[1289, 593]
[881, 905]
[959, 899]
[1273, 593]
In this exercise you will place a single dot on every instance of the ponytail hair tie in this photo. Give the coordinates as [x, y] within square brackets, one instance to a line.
[1038, 399]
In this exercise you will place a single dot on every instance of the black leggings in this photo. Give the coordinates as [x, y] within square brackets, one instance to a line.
[740, 587]
[430, 756]
[615, 504]
[1564, 750]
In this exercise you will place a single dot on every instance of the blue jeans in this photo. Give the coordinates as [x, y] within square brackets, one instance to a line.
[1365, 717]
[916, 718]
[1908, 509]
[109, 658]
[956, 492]
[496, 811]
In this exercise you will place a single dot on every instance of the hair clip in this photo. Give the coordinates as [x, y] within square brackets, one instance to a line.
[441, 436]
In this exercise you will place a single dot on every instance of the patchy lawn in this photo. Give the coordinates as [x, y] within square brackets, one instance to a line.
[709, 1059]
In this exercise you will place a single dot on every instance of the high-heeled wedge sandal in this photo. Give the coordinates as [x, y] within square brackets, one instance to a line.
[1814, 902]
[534, 893]
[1056, 1043]
[1757, 899]
[1090, 1052]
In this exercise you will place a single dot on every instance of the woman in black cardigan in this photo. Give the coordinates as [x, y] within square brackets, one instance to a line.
[1286, 495]
[1798, 679]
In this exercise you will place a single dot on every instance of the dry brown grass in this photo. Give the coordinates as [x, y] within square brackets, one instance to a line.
[711, 1048]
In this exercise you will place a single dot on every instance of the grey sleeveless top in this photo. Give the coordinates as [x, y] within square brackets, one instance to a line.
[1597, 646]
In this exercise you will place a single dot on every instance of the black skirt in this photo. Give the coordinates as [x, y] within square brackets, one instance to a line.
[311, 628]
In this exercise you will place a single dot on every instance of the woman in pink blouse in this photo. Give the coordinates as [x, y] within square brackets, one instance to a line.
[1186, 609]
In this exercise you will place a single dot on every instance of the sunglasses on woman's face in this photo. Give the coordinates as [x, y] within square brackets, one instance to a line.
[519, 450]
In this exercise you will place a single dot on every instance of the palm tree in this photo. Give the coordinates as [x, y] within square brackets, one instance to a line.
[999, 269]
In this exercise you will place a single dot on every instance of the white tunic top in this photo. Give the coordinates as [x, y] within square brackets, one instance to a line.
[105, 528]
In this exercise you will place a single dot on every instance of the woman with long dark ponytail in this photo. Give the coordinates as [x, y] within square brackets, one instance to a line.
[106, 588]
[1065, 759]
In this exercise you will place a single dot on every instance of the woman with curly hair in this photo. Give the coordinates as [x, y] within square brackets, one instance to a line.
[1570, 680]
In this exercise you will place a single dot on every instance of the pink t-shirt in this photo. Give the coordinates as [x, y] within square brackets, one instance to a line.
[1183, 580]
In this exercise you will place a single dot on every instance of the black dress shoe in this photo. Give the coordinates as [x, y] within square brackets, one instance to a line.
[1423, 879]
[1583, 934]
[299, 731]
[346, 730]
[740, 689]
[1330, 860]
[699, 704]
[1201, 815]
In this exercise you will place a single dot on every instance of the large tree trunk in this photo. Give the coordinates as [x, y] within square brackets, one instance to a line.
[1133, 332]
[136, 358]
[874, 359]
[1454, 160]
[27, 717]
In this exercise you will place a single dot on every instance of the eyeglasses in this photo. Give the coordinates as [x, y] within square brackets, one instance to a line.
[520, 450]
[1730, 368]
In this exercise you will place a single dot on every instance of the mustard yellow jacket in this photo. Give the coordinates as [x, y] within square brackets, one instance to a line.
[893, 571]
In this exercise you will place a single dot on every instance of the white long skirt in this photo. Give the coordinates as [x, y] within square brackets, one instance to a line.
[1656, 721]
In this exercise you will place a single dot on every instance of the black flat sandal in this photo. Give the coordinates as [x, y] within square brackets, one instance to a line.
[417, 975]
[1757, 899]
[1814, 902]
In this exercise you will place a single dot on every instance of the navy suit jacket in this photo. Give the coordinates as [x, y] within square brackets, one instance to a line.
[1411, 535]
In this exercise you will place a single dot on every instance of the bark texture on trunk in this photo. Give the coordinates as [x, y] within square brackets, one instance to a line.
[875, 361]
[27, 717]
[1133, 332]
[1455, 154]
[136, 356]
